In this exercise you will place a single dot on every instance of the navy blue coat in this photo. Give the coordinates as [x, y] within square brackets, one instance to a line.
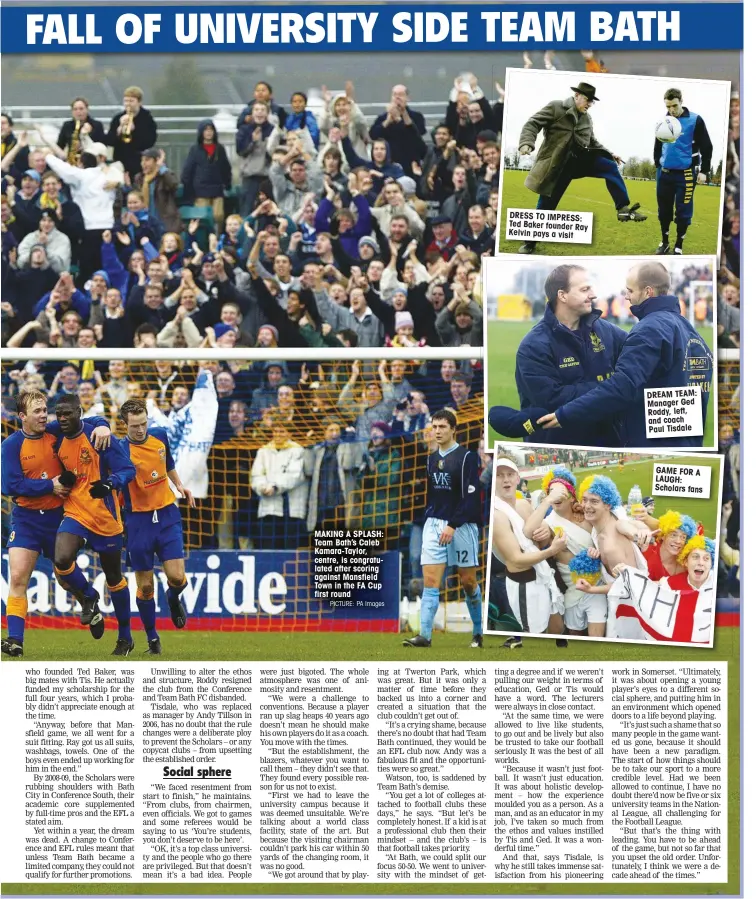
[205, 176]
[662, 350]
[556, 365]
[406, 141]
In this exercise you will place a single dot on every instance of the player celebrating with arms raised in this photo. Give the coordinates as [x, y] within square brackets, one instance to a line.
[450, 532]
[32, 478]
[680, 165]
[92, 516]
[153, 521]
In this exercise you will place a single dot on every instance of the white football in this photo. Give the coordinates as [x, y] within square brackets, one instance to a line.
[668, 129]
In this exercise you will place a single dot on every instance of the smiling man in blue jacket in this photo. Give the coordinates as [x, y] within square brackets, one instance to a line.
[662, 350]
[567, 354]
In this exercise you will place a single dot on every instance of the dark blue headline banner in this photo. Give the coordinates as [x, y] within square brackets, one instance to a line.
[209, 28]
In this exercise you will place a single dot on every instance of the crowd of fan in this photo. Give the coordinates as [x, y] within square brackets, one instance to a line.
[348, 233]
[703, 298]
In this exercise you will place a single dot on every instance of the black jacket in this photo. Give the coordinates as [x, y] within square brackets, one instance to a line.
[24, 288]
[20, 163]
[457, 205]
[480, 244]
[406, 141]
[143, 136]
[72, 222]
[139, 314]
[467, 134]
[423, 314]
[97, 134]
[26, 213]
[204, 175]
[116, 336]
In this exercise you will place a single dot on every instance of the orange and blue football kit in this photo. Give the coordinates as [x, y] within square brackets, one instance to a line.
[153, 521]
[29, 466]
[91, 512]
[30, 463]
[96, 519]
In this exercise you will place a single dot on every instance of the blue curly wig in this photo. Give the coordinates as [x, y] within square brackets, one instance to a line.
[604, 488]
[561, 473]
[583, 565]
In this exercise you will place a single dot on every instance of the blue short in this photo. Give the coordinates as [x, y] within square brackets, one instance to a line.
[96, 542]
[35, 529]
[150, 534]
[463, 551]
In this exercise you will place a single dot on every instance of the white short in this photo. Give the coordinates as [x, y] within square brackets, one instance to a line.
[532, 605]
[590, 608]
[463, 551]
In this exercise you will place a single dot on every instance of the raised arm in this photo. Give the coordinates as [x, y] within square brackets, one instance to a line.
[68, 173]
[509, 549]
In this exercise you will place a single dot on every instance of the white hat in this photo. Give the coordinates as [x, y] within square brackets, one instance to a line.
[97, 149]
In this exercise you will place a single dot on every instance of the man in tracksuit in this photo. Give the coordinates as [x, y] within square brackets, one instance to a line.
[567, 354]
[662, 350]
[679, 167]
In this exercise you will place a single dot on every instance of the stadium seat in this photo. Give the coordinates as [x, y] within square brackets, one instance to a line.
[205, 216]
[203, 213]
[231, 197]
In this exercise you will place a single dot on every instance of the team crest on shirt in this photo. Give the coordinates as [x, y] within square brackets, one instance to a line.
[161, 454]
[598, 346]
[85, 457]
[440, 464]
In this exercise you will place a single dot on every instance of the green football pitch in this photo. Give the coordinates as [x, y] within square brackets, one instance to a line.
[503, 339]
[76, 645]
[304, 647]
[611, 237]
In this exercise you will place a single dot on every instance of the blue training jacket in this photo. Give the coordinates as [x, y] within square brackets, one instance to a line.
[692, 149]
[662, 350]
[679, 155]
[556, 365]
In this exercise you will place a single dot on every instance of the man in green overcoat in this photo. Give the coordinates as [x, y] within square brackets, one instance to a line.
[569, 151]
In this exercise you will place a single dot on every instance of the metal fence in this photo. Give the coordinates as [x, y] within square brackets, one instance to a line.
[177, 125]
